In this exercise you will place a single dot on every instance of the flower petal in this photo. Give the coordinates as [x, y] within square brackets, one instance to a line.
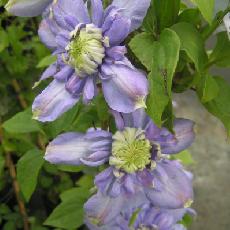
[102, 210]
[53, 102]
[173, 188]
[46, 35]
[78, 148]
[134, 10]
[65, 73]
[118, 31]
[178, 227]
[116, 53]
[172, 143]
[49, 72]
[75, 85]
[90, 90]
[184, 136]
[27, 8]
[125, 89]
[74, 8]
[97, 12]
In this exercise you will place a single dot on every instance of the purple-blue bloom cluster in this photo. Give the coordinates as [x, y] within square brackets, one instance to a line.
[140, 173]
[87, 41]
[142, 188]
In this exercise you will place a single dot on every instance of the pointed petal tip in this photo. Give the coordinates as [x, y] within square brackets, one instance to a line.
[140, 103]
[188, 203]
[36, 84]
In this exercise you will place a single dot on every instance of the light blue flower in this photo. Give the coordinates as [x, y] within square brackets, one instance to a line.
[89, 49]
[139, 170]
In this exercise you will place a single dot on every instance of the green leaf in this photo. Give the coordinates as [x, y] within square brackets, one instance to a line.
[88, 118]
[21, 123]
[192, 43]
[142, 46]
[191, 16]
[4, 42]
[46, 61]
[102, 108]
[166, 56]
[220, 105]
[69, 214]
[69, 168]
[171, 43]
[150, 20]
[86, 181]
[206, 8]
[187, 220]
[79, 193]
[2, 163]
[28, 168]
[64, 123]
[166, 12]
[208, 89]
[158, 97]
[221, 53]
[185, 157]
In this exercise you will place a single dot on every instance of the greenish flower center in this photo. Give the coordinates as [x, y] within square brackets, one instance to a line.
[86, 49]
[130, 150]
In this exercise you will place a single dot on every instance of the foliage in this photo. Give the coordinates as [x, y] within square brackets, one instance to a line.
[170, 47]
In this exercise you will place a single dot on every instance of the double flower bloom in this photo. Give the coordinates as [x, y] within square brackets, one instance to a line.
[142, 189]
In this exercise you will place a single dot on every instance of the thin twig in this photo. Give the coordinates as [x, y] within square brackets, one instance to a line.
[21, 205]
[24, 105]
[17, 89]
[12, 171]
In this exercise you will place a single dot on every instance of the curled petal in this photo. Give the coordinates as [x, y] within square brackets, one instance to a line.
[49, 72]
[64, 74]
[53, 102]
[78, 148]
[116, 53]
[46, 35]
[118, 31]
[161, 219]
[173, 188]
[90, 90]
[97, 12]
[125, 89]
[27, 8]
[75, 85]
[104, 211]
[133, 10]
[184, 134]
[172, 143]
[74, 8]
[137, 119]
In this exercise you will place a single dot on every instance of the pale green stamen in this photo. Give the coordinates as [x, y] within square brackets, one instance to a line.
[188, 203]
[86, 50]
[130, 150]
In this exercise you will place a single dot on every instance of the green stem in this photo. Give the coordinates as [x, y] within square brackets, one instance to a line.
[215, 24]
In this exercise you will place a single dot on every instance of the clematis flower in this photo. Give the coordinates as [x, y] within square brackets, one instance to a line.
[137, 143]
[137, 157]
[87, 41]
[27, 8]
[132, 216]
